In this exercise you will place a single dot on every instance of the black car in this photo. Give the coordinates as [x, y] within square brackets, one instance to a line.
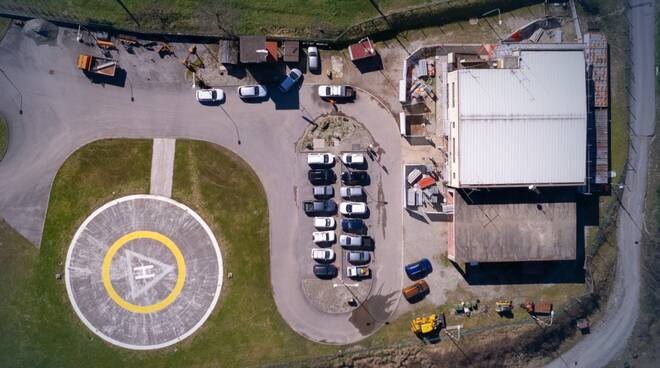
[325, 271]
[354, 177]
[321, 176]
[313, 208]
[352, 225]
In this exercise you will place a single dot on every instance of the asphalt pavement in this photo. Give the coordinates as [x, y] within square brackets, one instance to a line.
[608, 338]
[63, 110]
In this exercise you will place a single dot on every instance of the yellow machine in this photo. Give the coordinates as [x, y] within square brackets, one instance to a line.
[426, 324]
[502, 306]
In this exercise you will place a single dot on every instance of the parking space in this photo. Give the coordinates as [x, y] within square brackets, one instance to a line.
[356, 195]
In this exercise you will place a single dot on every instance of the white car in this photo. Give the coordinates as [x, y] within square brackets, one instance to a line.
[353, 208]
[350, 240]
[323, 236]
[352, 159]
[357, 271]
[320, 159]
[324, 222]
[313, 58]
[210, 95]
[351, 192]
[255, 91]
[323, 255]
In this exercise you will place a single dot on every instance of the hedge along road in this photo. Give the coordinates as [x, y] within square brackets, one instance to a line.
[609, 337]
[63, 110]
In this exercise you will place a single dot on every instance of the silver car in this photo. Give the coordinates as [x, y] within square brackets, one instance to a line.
[350, 240]
[323, 191]
[358, 257]
[351, 192]
[313, 58]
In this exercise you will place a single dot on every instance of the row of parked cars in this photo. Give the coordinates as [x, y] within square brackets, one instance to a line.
[358, 245]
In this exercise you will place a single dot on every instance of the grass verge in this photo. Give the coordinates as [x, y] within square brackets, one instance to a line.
[4, 137]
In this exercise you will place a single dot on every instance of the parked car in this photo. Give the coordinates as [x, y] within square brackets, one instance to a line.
[350, 240]
[352, 159]
[356, 272]
[313, 58]
[351, 225]
[210, 95]
[323, 255]
[254, 91]
[323, 237]
[325, 271]
[419, 269]
[353, 208]
[358, 257]
[320, 159]
[321, 176]
[323, 191]
[354, 177]
[351, 192]
[313, 208]
[336, 92]
[416, 291]
[290, 80]
[324, 222]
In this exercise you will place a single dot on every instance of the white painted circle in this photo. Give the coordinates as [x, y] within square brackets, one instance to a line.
[83, 311]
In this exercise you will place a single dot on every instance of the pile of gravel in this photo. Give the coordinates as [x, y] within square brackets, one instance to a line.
[40, 30]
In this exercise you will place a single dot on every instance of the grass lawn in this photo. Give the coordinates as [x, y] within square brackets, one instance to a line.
[39, 327]
[4, 137]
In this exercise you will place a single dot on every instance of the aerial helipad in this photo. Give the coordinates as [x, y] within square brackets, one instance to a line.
[143, 272]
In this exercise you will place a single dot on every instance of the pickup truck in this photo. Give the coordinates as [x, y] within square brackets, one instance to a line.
[327, 91]
[312, 208]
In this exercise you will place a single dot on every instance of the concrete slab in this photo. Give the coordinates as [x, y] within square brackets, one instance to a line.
[162, 166]
[143, 272]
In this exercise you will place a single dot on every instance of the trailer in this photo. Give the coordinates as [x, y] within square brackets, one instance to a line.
[537, 308]
[97, 65]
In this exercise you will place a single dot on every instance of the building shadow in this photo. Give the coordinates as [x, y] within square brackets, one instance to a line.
[521, 273]
[119, 79]
[371, 64]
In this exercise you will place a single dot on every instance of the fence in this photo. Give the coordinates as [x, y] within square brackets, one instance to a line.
[383, 26]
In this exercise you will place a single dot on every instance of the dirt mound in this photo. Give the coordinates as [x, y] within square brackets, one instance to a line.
[40, 30]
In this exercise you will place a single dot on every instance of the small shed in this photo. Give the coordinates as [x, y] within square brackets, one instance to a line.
[361, 50]
[253, 49]
[228, 51]
[291, 51]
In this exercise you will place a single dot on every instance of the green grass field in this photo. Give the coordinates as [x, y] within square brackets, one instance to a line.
[320, 18]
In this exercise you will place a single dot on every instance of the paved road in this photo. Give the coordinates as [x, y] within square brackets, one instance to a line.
[64, 111]
[609, 338]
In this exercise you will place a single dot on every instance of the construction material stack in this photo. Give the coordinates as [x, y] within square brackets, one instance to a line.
[97, 65]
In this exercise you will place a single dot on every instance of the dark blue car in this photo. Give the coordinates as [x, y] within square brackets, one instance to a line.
[419, 269]
[352, 225]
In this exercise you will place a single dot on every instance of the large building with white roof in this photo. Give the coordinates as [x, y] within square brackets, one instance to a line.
[521, 123]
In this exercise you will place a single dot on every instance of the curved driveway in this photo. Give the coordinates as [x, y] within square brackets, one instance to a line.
[64, 111]
[609, 337]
